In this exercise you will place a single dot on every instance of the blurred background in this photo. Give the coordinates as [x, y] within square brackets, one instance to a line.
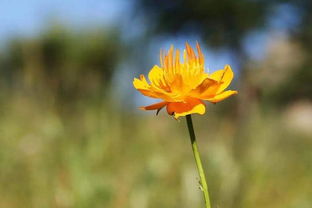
[71, 134]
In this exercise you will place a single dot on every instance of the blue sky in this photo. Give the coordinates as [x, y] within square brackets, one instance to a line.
[28, 17]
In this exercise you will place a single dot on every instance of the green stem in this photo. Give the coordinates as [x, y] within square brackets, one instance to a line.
[200, 169]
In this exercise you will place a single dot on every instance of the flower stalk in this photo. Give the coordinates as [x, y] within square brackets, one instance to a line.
[201, 173]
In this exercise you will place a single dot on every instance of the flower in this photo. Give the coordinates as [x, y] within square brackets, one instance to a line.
[183, 86]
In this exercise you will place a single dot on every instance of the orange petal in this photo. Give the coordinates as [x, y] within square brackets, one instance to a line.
[190, 106]
[154, 106]
[222, 96]
[156, 94]
[225, 76]
[177, 84]
[149, 93]
[190, 52]
[200, 54]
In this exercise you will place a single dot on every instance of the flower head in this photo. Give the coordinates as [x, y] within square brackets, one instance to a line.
[183, 86]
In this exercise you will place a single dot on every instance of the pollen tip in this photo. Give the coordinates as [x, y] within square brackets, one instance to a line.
[187, 45]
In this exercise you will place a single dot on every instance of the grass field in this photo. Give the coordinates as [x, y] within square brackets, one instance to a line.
[92, 154]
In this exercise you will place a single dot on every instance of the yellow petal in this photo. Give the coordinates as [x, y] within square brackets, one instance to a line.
[151, 91]
[207, 88]
[199, 109]
[190, 106]
[222, 96]
[142, 86]
[140, 83]
[224, 76]
[156, 76]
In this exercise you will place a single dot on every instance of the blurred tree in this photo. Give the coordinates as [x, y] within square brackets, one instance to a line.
[68, 64]
[61, 68]
[219, 22]
[297, 85]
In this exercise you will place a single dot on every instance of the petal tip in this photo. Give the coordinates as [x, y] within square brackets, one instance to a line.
[234, 92]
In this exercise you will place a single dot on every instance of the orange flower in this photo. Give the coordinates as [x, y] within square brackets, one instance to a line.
[184, 86]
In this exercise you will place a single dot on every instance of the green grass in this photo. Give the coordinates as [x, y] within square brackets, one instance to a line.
[88, 154]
